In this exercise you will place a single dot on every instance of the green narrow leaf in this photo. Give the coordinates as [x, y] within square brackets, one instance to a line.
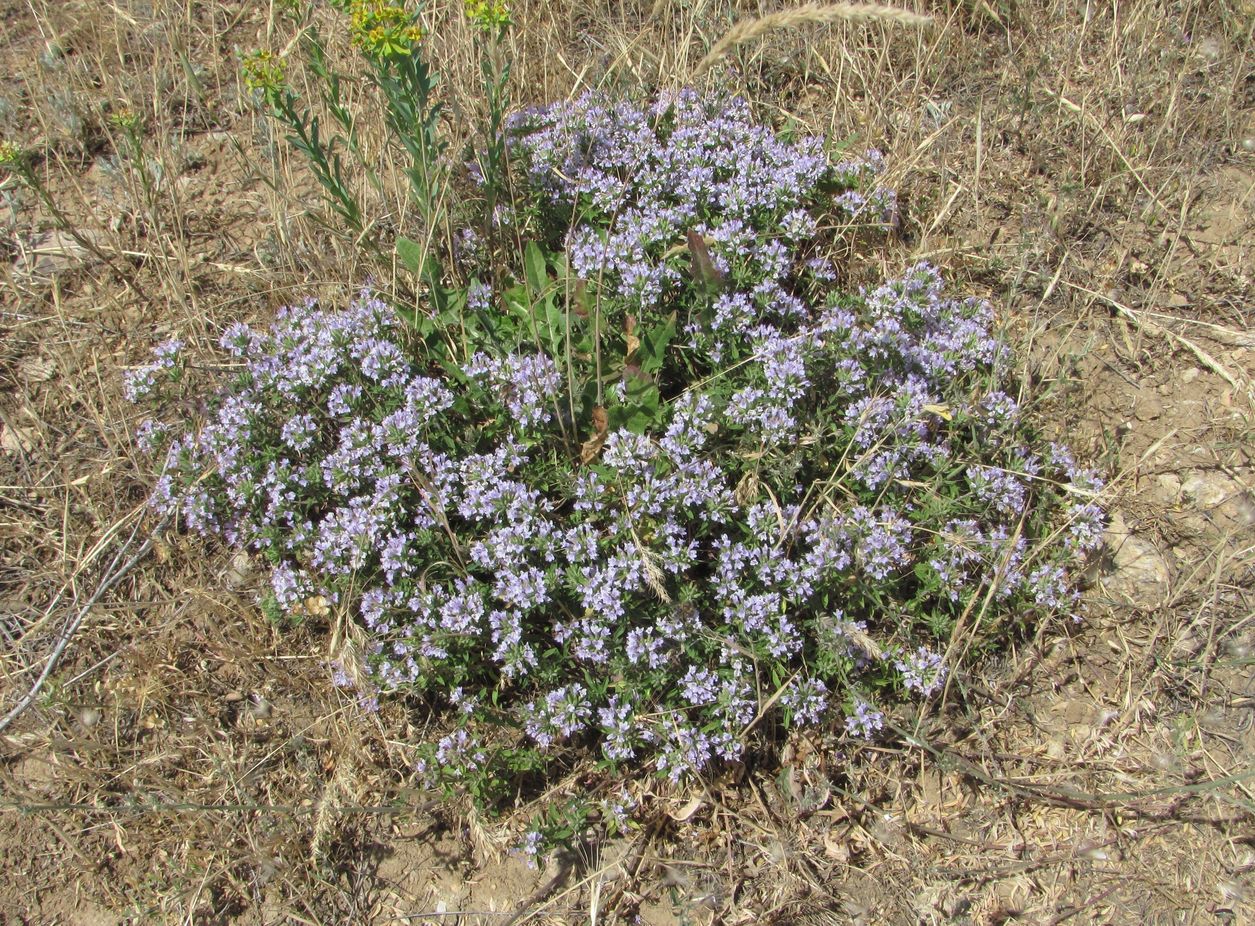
[536, 269]
[411, 255]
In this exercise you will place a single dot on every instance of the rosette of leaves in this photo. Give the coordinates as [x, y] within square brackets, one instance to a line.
[665, 491]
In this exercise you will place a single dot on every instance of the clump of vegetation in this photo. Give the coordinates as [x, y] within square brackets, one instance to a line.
[660, 487]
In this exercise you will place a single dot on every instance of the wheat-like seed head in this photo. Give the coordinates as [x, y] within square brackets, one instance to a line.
[751, 29]
[326, 815]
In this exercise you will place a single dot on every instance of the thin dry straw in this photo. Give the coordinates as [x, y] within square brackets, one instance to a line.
[112, 576]
[751, 29]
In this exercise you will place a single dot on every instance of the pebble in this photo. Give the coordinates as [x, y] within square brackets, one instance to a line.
[1140, 575]
[1228, 503]
[240, 571]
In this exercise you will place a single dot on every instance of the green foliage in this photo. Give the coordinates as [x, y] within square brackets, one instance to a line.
[634, 480]
[390, 41]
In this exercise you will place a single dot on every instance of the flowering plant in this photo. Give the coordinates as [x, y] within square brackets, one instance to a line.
[662, 491]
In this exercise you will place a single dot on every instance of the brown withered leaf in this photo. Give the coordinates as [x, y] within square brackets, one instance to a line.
[685, 813]
[629, 336]
[704, 270]
[601, 426]
[592, 447]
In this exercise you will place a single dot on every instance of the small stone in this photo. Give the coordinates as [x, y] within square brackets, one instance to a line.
[1227, 502]
[1248, 145]
[14, 440]
[1170, 486]
[52, 253]
[1188, 376]
[1207, 490]
[260, 706]
[1208, 49]
[1139, 575]
[37, 369]
[1148, 409]
[241, 569]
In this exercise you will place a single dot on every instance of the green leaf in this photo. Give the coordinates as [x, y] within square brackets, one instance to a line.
[654, 343]
[536, 269]
[411, 254]
[634, 419]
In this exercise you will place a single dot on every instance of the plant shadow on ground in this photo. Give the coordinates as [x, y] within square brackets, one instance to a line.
[1087, 169]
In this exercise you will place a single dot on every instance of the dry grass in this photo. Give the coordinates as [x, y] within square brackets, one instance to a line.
[1088, 166]
[807, 14]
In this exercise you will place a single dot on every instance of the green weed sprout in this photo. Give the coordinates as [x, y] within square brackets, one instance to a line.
[491, 20]
[264, 74]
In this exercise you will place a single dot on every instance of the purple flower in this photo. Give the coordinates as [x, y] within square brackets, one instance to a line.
[864, 720]
[807, 699]
[922, 671]
[141, 382]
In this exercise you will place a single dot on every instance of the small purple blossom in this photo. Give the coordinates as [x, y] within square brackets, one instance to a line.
[864, 721]
[141, 382]
[922, 671]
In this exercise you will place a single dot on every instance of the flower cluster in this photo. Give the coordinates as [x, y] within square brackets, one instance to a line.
[383, 29]
[825, 483]
[488, 15]
[264, 73]
[141, 381]
[10, 155]
[641, 180]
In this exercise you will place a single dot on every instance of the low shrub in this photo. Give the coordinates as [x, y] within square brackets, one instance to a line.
[660, 487]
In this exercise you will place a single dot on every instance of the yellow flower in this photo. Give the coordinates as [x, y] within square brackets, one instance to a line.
[125, 118]
[10, 155]
[382, 29]
[263, 71]
[488, 14]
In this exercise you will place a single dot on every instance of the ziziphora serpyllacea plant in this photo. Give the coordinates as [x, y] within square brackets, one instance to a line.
[671, 491]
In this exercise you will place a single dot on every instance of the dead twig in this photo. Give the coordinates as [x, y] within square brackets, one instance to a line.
[113, 574]
[1143, 323]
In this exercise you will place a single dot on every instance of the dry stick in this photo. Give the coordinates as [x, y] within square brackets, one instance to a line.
[1065, 796]
[112, 577]
[751, 29]
[1216, 332]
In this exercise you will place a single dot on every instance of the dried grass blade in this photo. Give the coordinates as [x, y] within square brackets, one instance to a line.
[825, 13]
